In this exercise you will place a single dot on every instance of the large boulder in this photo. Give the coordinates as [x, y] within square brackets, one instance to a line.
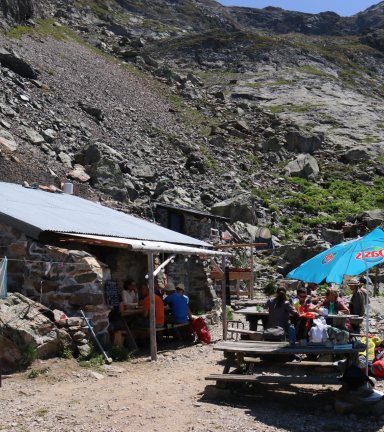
[271, 145]
[140, 171]
[358, 153]
[332, 236]
[305, 166]
[240, 207]
[372, 218]
[23, 324]
[11, 60]
[303, 141]
[106, 176]
[296, 254]
[181, 198]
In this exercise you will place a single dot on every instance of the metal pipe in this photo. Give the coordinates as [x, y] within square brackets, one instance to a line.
[224, 300]
[367, 311]
[152, 312]
[251, 281]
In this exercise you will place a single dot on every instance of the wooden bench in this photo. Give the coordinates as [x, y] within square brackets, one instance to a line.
[142, 334]
[273, 379]
[257, 361]
[252, 334]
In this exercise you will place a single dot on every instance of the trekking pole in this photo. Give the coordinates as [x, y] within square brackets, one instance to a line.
[107, 359]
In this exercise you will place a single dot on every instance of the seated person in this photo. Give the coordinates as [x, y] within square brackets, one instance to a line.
[180, 290]
[143, 323]
[310, 288]
[130, 293]
[279, 310]
[115, 320]
[180, 312]
[304, 300]
[333, 303]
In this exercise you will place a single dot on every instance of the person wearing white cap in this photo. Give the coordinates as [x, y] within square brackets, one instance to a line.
[357, 303]
[180, 312]
[180, 290]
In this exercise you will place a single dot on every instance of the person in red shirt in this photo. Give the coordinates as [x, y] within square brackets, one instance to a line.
[143, 323]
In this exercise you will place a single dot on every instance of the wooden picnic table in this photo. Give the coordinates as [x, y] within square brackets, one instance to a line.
[252, 315]
[239, 349]
[233, 275]
[127, 316]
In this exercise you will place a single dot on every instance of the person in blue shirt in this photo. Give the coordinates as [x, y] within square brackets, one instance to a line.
[177, 303]
[180, 290]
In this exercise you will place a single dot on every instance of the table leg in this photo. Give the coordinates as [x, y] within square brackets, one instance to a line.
[240, 359]
[253, 320]
[264, 320]
[238, 287]
[129, 338]
[228, 363]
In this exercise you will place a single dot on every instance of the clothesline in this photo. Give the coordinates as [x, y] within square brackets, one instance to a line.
[62, 263]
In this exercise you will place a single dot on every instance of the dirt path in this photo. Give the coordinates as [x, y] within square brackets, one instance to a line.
[164, 396]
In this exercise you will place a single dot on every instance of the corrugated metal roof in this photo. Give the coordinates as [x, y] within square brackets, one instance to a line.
[34, 211]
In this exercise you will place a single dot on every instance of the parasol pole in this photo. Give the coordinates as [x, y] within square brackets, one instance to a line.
[367, 311]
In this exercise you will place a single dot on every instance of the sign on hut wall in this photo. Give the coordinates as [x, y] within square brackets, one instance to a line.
[111, 293]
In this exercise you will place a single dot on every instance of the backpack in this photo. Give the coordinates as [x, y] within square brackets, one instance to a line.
[377, 369]
[304, 325]
[274, 334]
[201, 329]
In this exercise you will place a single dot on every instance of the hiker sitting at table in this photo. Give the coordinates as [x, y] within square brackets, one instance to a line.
[310, 288]
[130, 293]
[180, 290]
[180, 312]
[279, 311]
[333, 303]
[115, 320]
[304, 300]
[143, 323]
[357, 303]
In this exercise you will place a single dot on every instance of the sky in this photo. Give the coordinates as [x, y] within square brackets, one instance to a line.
[341, 7]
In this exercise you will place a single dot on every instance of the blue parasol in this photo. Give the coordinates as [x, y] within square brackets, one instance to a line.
[350, 258]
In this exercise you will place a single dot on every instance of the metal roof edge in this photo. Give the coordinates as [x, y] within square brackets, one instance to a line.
[26, 228]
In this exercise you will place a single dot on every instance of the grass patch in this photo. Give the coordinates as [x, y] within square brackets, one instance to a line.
[41, 412]
[118, 353]
[29, 354]
[34, 374]
[211, 162]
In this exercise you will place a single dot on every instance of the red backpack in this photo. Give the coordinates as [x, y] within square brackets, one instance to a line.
[201, 329]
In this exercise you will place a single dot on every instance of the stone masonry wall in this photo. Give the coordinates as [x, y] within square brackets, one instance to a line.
[74, 282]
[195, 277]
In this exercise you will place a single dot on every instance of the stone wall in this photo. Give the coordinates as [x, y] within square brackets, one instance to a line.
[73, 282]
[125, 265]
[195, 277]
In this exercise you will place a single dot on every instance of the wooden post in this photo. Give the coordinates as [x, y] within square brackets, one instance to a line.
[251, 281]
[152, 319]
[224, 300]
[375, 293]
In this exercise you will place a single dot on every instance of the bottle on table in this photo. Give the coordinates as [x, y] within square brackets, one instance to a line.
[292, 335]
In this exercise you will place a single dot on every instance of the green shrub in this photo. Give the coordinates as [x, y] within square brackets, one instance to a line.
[118, 353]
[33, 374]
[229, 314]
[65, 352]
[269, 288]
[29, 354]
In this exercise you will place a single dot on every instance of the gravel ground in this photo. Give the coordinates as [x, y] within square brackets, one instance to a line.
[165, 395]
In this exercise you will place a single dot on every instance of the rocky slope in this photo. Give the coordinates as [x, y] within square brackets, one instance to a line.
[208, 116]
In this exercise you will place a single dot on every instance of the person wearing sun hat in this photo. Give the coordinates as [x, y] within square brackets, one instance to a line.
[180, 290]
[177, 303]
[357, 302]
